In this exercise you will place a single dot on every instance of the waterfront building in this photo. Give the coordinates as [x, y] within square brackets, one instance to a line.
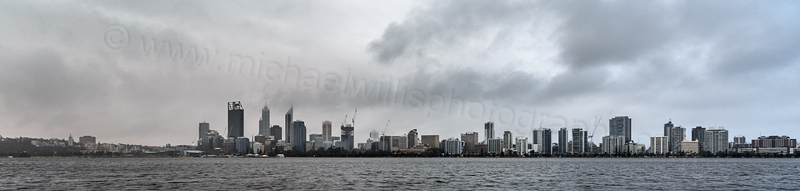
[774, 144]
[70, 143]
[242, 145]
[299, 136]
[522, 145]
[563, 139]
[317, 141]
[470, 140]
[699, 134]
[677, 135]
[690, 147]
[399, 142]
[578, 141]
[488, 130]
[620, 126]
[413, 138]
[613, 145]
[263, 123]
[659, 144]
[716, 140]
[452, 146]
[542, 141]
[508, 140]
[235, 119]
[87, 139]
[668, 133]
[495, 145]
[431, 140]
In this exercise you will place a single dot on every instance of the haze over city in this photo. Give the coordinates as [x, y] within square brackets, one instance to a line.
[148, 73]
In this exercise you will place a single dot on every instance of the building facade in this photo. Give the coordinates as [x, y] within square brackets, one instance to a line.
[276, 132]
[348, 137]
[578, 141]
[620, 126]
[289, 117]
[298, 136]
[413, 138]
[716, 140]
[508, 140]
[563, 141]
[431, 140]
[699, 134]
[677, 135]
[495, 145]
[659, 144]
[263, 123]
[488, 130]
[235, 119]
[452, 146]
[326, 130]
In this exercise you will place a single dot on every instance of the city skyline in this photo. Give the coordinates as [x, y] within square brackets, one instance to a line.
[131, 73]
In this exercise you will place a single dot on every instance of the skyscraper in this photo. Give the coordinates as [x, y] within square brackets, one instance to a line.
[276, 132]
[698, 134]
[413, 138]
[668, 133]
[578, 140]
[488, 129]
[298, 136]
[522, 145]
[508, 140]
[347, 136]
[326, 131]
[288, 119]
[71, 141]
[494, 145]
[659, 144]
[431, 140]
[716, 140]
[613, 144]
[563, 140]
[203, 129]
[676, 137]
[263, 123]
[235, 120]
[546, 141]
[620, 126]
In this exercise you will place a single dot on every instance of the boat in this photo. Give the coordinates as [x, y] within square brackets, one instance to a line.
[279, 156]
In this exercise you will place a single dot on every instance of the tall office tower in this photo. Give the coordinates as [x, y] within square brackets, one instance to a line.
[495, 145]
[235, 120]
[620, 126]
[452, 146]
[326, 130]
[470, 140]
[659, 144]
[431, 140]
[716, 140]
[347, 136]
[299, 136]
[613, 144]
[263, 123]
[488, 129]
[71, 141]
[276, 131]
[288, 119]
[563, 140]
[204, 127]
[578, 141]
[668, 133]
[522, 145]
[413, 138]
[677, 135]
[698, 134]
[508, 140]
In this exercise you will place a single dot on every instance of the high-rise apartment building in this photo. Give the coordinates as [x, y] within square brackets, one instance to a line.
[578, 141]
[716, 140]
[620, 126]
[613, 145]
[668, 133]
[522, 145]
[659, 144]
[235, 120]
[542, 140]
[452, 146]
[677, 135]
[699, 134]
[495, 145]
[563, 141]
[470, 140]
[488, 129]
[508, 140]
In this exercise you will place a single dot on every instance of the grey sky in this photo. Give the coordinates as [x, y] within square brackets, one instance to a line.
[149, 72]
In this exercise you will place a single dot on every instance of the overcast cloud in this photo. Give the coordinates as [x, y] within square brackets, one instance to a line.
[149, 72]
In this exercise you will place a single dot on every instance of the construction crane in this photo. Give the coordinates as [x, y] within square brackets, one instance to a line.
[384, 129]
[345, 120]
[595, 127]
